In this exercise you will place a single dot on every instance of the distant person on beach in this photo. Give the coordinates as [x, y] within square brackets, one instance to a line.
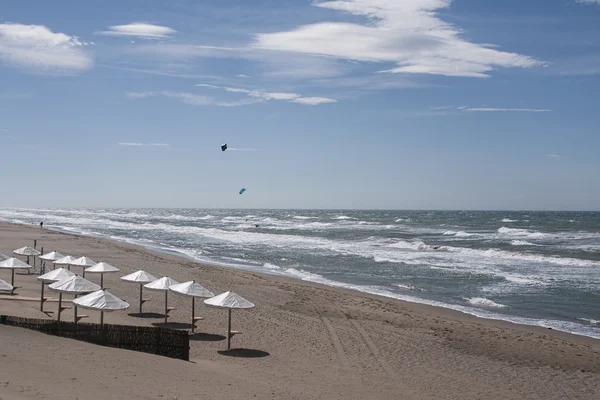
[41, 224]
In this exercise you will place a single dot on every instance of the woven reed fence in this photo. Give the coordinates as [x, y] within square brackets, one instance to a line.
[159, 341]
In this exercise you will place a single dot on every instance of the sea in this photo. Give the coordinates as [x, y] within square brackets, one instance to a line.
[535, 268]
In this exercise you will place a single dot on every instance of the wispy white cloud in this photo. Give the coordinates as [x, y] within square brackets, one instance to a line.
[236, 149]
[136, 144]
[554, 156]
[187, 98]
[3, 130]
[37, 49]
[588, 1]
[260, 96]
[410, 34]
[140, 30]
[488, 109]
[242, 76]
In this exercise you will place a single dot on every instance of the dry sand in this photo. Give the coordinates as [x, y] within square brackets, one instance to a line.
[313, 342]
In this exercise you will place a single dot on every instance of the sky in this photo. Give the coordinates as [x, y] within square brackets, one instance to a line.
[383, 104]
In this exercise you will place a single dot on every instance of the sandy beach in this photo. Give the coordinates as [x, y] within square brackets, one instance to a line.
[311, 342]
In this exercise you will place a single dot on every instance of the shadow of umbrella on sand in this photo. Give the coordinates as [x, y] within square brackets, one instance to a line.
[140, 277]
[193, 290]
[74, 285]
[56, 275]
[102, 301]
[163, 284]
[13, 264]
[229, 301]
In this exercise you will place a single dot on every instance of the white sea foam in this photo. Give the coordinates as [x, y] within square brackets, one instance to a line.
[458, 234]
[303, 217]
[510, 220]
[521, 233]
[522, 243]
[343, 217]
[590, 321]
[483, 302]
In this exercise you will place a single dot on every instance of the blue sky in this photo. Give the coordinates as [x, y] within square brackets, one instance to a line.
[399, 104]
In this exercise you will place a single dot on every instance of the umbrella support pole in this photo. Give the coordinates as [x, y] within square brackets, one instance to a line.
[102, 319]
[166, 306]
[42, 299]
[101, 281]
[141, 300]
[59, 307]
[83, 272]
[75, 313]
[12, 281]
[229, 331]
[193, 314]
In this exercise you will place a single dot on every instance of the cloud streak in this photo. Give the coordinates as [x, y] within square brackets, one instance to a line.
[38, 49]
[136, 144]
[140, 30]
[488, 109]
[409, 34]
[260, 95]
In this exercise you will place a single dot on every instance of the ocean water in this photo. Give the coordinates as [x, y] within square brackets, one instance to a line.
[538, 268]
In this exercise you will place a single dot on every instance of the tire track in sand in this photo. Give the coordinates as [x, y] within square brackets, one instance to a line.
[372, 346]
[336, 343]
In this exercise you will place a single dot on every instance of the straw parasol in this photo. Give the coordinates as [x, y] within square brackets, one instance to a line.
[103, 301]
[229, 301]
[163, 284]
[140, 277]
[27, 252]
[193, 290]
[13, 264]
[51, 277]
[101, 268]
[84, 262]
[66, 260]
[5, 286]
[74, 285]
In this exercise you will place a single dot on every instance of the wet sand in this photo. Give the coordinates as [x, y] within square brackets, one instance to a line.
[308, 341]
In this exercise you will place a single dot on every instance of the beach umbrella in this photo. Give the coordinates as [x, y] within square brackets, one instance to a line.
[3, 257]
[74, 285]
[52, 257]
[193, 290]
[84, 262]
[163, 285]
[27, 252]
[140, 277]
[51, 277]
[66, 260]
[102, 301]
[101, 268]
[13, 264]
[5, 286]
[229, 301]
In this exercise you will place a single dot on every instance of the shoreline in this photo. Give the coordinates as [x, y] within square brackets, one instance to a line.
[480, 313]
[315, 341]
[441, 308]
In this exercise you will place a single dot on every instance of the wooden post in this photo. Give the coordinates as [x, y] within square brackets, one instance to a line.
[59, 306]
[229, 331]
[141, 288]
[193, 314]
[42, 264]
[101, 281]
[75, 311]
[42, 299]
[166, 300]
[101, 319]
